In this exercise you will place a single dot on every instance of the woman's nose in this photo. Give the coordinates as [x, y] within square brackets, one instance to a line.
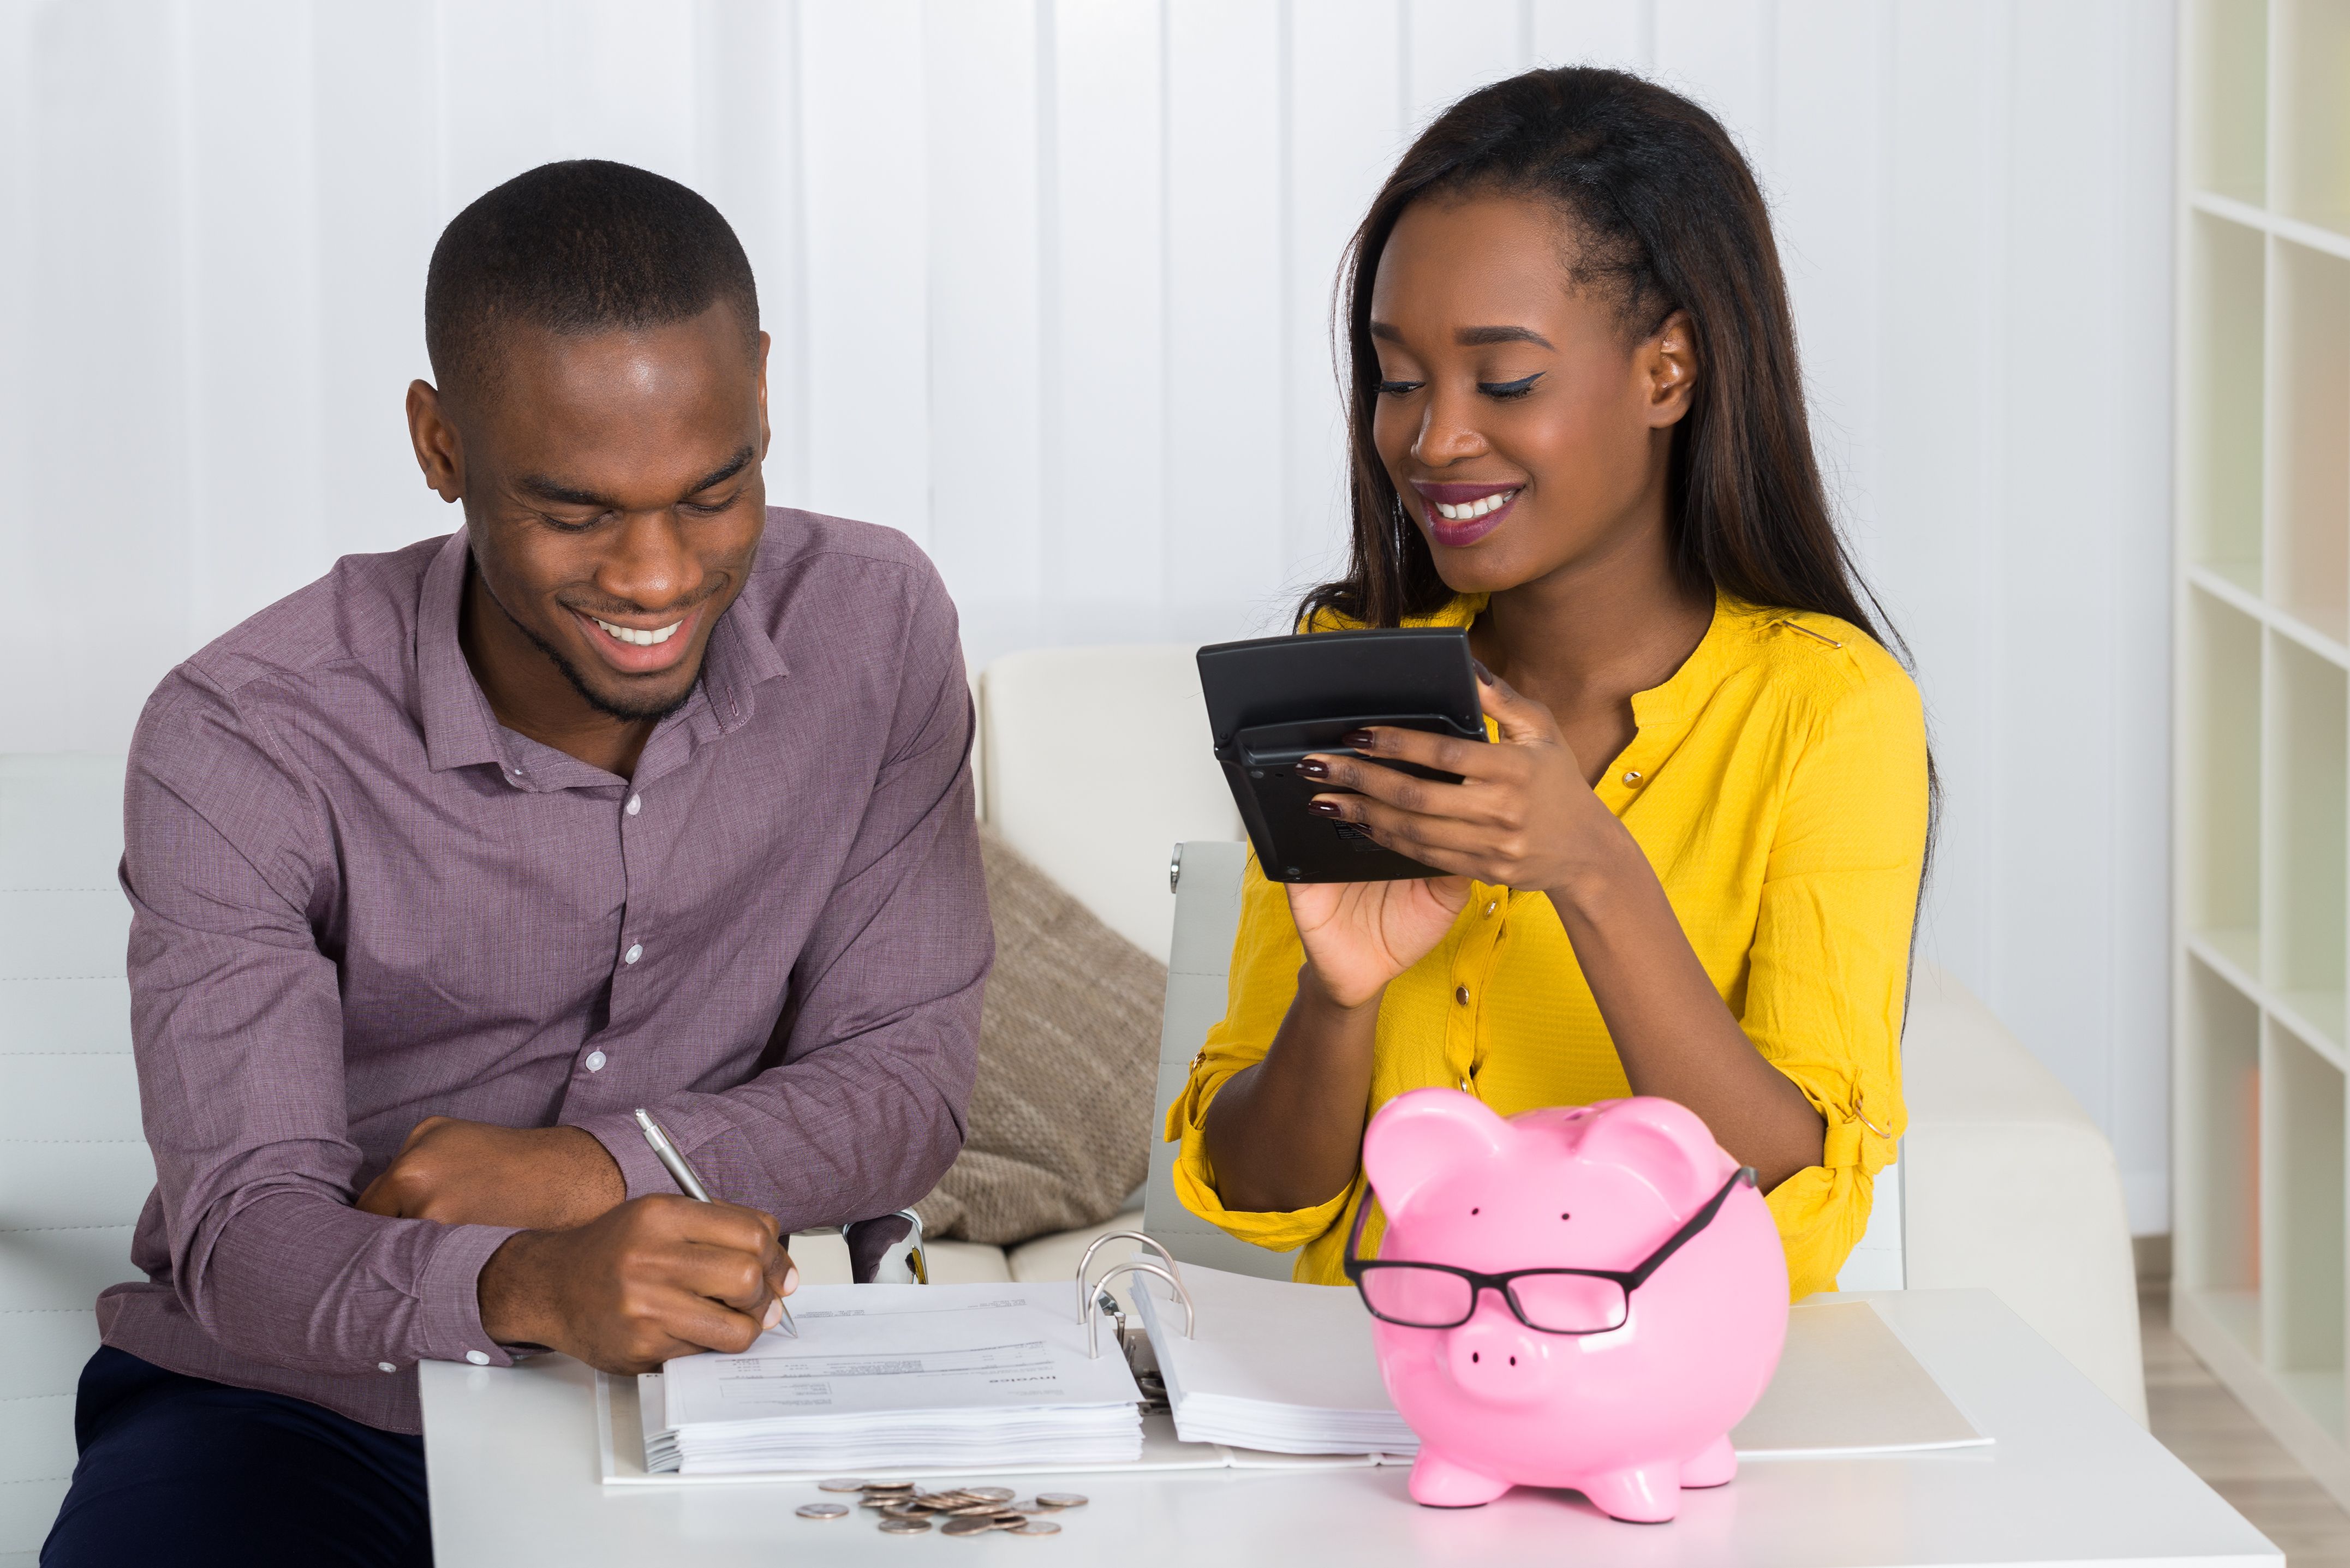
[1445, 435]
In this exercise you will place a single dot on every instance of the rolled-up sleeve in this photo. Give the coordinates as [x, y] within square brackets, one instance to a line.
[1829, 967]
[878, 1041]
[236, 1023]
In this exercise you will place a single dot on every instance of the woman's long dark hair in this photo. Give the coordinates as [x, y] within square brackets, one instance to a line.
[1666, 216]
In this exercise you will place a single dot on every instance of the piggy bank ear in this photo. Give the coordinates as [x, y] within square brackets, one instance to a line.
[1424, 1134]
[1661, 1142]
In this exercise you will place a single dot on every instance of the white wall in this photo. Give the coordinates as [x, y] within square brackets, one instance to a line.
[1049, 280]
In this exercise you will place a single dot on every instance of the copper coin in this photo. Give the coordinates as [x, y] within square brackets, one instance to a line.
[1060, 1500]
[1035, 1527]
[822, 1510]
[840, 1483]
[991, 1493]
[905, 1527]
[967, 1526]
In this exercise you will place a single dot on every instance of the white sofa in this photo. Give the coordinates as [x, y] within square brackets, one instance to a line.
[2003, 1181]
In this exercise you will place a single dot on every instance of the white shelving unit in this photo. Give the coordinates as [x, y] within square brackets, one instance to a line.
[2262, 712]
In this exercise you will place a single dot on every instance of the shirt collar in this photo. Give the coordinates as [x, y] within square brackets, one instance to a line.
[459, 730]
[1682, 691]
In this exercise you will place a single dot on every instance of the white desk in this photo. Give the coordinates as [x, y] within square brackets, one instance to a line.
[511, 1454]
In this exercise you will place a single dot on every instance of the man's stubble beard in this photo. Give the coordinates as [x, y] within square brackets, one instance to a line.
[627, 712]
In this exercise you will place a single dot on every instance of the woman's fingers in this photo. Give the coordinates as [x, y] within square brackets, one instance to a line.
[1462, 849]
[1520, 719]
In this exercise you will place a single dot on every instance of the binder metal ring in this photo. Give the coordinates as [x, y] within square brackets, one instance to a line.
[1134, 1266]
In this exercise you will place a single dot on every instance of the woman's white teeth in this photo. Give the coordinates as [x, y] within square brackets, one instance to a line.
[641, 639]
[1469, 509]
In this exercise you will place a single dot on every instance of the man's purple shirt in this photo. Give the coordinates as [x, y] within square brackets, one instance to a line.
[359, 902]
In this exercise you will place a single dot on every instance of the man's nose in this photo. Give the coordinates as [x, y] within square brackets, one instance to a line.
[649, 565]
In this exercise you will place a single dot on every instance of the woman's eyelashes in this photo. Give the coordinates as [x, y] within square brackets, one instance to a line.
[1399, 388]
[1506, 389]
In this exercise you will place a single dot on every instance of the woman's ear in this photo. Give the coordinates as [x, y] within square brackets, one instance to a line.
[1668, 360]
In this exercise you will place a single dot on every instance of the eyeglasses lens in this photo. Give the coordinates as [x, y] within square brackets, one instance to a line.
[1417, 1298]
[1570, 1304]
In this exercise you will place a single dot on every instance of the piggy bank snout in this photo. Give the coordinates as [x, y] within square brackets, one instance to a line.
[1492, 1358]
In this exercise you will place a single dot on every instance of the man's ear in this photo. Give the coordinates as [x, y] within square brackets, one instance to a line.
[1424, 1134]
[438, 451]
[1667, 362]
[766, 434]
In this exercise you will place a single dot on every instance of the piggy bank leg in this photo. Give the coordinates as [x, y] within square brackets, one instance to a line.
[1713, 1465]
[1648, 1495]
[1438, 1482]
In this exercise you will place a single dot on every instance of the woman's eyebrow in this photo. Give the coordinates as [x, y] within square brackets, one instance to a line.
[1478, 336]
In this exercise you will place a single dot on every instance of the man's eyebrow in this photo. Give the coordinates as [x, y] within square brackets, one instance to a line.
[1478, 336]
[554, 489]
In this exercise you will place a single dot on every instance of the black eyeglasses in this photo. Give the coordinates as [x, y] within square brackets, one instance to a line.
[1548, 1301]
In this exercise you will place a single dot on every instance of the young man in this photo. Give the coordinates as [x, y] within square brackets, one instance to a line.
[630, 793]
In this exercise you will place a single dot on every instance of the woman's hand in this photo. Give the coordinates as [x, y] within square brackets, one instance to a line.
[1520, 817]
[1360, 935]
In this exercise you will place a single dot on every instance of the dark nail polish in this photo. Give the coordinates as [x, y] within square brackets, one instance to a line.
[1313, 769]
[1323, 807]
[1483, 674]
[1356, 739]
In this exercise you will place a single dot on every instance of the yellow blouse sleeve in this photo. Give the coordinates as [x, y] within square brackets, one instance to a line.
[1829, 968]
[1266, 956]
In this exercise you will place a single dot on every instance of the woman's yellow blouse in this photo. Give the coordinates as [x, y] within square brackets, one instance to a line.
[1777, 783]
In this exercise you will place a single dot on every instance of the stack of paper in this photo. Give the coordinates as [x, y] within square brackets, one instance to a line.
[888, 1377]
[1276, 1365]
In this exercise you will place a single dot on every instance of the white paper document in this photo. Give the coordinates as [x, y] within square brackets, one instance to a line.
[900, 1377]
[1274, 1366]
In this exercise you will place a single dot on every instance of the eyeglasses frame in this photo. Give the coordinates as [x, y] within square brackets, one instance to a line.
[1627, 1280]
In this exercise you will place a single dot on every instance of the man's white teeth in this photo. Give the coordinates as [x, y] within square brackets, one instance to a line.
[641, 639]
[1469, 509]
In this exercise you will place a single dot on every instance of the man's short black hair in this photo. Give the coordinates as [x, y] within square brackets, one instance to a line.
[578, 247]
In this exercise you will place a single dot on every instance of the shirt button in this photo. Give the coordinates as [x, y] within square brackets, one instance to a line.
[478, 1357]
[1491, 907]
[385, 1367]
[636, 951]
[636, 804]
[595, 1061]
[1464, 1085]
[1632, 775]
[1460, 994]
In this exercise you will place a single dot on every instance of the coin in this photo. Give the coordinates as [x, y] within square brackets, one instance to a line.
[840, 1483]
[973, 1509]
[1010, 1518]
[822, 1510]
[1034, 1527]
[886, 1486]
[905, 1527]
[991, 1493]
[879, 1499]
[967, 1526]
[1060, 1500]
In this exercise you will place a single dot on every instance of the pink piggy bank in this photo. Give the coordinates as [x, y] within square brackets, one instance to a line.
[1608, 1298]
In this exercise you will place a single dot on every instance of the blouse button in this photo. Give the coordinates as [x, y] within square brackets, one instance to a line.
[1464, 1085]
[1631, 775]
[1460, 994]
[1491, 906]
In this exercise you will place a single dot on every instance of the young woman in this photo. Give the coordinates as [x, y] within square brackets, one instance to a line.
[1689, 864]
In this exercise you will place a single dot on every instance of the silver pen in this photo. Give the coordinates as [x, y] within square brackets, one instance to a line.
[674, 1161]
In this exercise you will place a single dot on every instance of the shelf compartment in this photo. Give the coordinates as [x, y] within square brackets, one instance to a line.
[2305, 809]
[2226, 70]
[2302, 1216]
[2222, 381]
[2219, 789]
[2219, 1132]
[2310, 124]
[2308, 423]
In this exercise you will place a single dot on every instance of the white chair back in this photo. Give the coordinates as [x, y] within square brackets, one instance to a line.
[74, 1166]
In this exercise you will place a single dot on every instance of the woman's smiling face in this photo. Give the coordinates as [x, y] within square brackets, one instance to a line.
[1526, 431]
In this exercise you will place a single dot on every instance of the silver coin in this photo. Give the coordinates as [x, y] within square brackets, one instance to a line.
[967, 1526]
[905, 1527]
[1060, 1500]
[1035, 1527]
[973, 1509]
[906, 1486]
[1010, 1518]
[840, 1483]
[822, 1510]
[879, 1499]
[991, 1493]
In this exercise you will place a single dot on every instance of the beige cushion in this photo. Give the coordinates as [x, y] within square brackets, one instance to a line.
[1060, 1116]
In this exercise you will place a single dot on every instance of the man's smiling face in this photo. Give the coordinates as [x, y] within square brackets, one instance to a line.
[614, 501]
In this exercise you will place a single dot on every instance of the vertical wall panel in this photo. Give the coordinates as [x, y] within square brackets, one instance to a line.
[1453, 46]
[1616, 33]
[980, 70]
[1105, 504]
[1224, 458]
[1720, 53]
[1345, 131]
[867, 246]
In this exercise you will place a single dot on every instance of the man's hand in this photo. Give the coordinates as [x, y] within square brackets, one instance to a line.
[471, 1173]
[654, 1278]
